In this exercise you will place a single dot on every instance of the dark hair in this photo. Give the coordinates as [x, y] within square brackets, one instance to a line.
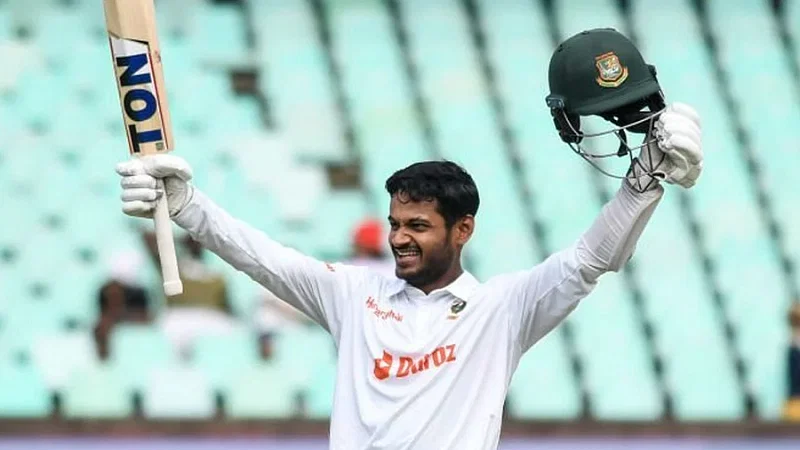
[446, 182]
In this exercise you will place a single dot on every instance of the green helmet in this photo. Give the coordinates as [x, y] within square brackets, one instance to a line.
[600, 72]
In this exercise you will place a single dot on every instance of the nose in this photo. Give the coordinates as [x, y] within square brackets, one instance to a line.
[399, 239]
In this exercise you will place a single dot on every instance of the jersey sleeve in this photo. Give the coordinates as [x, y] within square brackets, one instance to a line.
[540, 298]
[318, 289]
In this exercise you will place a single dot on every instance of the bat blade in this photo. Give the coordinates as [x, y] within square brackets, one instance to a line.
[136, 58]
[139, 75]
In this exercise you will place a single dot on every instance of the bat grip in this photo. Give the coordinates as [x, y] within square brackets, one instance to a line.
[166, 245]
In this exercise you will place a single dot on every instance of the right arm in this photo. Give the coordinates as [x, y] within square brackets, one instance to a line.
[319, 290]
[311, 286]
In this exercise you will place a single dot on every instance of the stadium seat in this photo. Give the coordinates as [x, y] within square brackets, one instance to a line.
[26, 319]
[320, 392]
[25, 394]
[297, 79]
[334, 222]
[220, 357]
[174, 392]
[455, 91]
[96, 391]
[746, 30]
[51, 282]
[135, 350]
[386, 125]
[261, 392]
[544, 386]
[218, 33]
[300, 351]
[618, 369]
[575, 16]
[57, 356]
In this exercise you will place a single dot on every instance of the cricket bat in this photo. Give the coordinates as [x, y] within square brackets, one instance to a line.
[136, 58]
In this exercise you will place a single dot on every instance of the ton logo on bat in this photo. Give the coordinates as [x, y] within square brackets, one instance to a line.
[138, 92]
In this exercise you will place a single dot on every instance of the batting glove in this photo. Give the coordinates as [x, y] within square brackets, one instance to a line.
[675, 156]
[140, 187]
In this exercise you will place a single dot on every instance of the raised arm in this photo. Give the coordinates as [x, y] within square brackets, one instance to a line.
[317, 289]
[539, 299]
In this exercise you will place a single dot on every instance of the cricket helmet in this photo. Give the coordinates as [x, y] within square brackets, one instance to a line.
[600, 72]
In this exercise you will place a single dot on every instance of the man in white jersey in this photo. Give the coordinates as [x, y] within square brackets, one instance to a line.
[425, 359]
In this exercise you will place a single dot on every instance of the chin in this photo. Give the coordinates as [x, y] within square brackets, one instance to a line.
[409, 274]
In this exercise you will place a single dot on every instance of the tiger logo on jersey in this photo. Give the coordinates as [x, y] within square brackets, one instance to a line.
[455, 308]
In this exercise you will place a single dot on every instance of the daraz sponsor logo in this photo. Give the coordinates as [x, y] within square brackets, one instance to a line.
[406, 365]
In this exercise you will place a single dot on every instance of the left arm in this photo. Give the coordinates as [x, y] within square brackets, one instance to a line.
[542, 297]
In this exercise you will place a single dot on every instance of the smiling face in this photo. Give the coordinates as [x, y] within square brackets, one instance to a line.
[427, 252]
[431, 215]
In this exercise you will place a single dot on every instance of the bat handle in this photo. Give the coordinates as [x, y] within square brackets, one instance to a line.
[166, 245]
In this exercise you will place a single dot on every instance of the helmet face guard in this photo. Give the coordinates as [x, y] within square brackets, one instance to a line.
[628, 119]
[601, 73]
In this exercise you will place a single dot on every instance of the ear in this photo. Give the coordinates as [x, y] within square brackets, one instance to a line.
[462, 230]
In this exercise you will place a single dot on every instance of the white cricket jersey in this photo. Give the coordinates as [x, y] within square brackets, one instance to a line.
[420, 371]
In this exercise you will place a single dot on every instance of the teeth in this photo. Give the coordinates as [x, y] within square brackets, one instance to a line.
[407, 252]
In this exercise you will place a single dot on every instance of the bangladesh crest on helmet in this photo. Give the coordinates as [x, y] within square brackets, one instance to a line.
[611, 73]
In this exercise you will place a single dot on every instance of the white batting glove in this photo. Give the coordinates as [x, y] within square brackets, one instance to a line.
[140, 188]
[676, 156]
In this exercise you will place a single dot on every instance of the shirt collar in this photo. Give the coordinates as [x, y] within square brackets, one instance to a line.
[461, 287]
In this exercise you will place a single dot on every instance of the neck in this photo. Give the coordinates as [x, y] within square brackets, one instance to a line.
[451, 275]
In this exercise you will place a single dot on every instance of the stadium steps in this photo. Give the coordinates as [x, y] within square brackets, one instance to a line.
[295, 78]
[566, 19]
[686, 200]
[765, 152]
[479, 33]
[788, 19]
[412, 72]
[347, 107]
[749, 154]
[376, 84]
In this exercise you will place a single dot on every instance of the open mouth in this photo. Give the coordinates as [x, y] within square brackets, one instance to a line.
[406, 256]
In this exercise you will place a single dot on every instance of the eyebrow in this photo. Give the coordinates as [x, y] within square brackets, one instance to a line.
[413, 219]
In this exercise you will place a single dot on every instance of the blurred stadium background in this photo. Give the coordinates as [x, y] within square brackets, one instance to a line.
[293, 113]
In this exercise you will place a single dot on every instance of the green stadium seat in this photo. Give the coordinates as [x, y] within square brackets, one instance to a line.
[57, 28]
[57, 356]
[298, 83]
[24, 392]
[135, 350]
[452, 84]
[293, 347]
[617, 367]
[320, 393]
[96, 391]
[335, 219]
[261, 392]
[50, 282]
[575, 16]
[746, 30]
[174, 392]
[220, 357]
[543, 386]
[5, 24]
[766, 372]
[218, 33]
[698, 370]
[385, 122]
[27, 319]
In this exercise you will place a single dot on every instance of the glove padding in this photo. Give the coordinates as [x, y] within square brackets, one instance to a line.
[676, 156]
[139, 182]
